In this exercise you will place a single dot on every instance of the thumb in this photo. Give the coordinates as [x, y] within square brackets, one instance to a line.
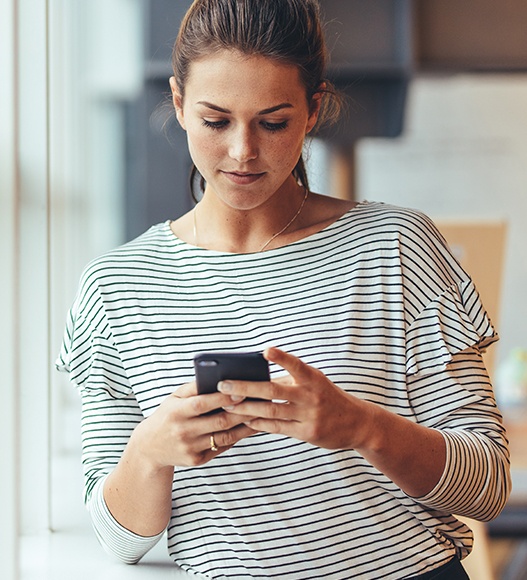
[298, 369]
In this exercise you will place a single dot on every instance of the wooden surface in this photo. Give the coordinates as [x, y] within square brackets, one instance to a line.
[480, 248]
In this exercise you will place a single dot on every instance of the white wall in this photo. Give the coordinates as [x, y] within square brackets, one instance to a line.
[463, 155]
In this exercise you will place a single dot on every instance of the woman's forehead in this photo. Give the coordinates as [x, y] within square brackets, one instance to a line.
[232, 78]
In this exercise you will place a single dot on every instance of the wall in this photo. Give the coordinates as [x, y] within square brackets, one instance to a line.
[463, 155]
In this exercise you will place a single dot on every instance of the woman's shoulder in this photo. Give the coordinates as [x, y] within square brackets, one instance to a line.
[413, 233]
[324, 207]
[373, 214]
[407, 221]
[322, 211]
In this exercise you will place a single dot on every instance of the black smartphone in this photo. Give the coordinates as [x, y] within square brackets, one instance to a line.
[212, 367]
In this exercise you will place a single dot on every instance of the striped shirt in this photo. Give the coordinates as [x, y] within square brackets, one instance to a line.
[375, 301]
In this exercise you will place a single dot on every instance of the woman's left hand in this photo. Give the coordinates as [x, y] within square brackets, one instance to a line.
[315, 410]
[305, 405]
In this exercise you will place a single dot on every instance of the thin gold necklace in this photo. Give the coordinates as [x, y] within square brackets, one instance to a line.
[272, 237]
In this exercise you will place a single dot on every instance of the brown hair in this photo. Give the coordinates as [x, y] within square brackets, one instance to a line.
[285, 30]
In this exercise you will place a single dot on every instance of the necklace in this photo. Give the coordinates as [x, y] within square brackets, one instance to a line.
[272, 237]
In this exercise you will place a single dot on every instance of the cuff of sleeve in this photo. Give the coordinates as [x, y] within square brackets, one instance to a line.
[435, 497]
[468, 486]
[114, 538]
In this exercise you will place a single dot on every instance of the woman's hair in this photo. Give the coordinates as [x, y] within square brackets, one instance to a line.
[289, 31]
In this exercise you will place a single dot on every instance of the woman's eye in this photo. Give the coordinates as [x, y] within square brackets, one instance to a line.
[267, 125]
[274, 126]
[215, 124]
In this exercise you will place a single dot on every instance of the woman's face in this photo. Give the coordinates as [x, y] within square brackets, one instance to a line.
[246, 118]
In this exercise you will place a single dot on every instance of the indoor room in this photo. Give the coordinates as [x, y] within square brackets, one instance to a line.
[92, 155]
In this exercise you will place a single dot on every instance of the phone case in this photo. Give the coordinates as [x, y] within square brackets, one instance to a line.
[212, 367]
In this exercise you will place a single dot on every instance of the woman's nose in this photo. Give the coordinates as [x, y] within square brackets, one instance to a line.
[244, 146]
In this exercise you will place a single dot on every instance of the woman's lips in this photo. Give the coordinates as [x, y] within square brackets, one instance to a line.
[242, 178]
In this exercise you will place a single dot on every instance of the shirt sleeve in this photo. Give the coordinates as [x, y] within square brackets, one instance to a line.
[110, 413]
[448, 385]
[450, 323]
[459, 401]
[114, 538]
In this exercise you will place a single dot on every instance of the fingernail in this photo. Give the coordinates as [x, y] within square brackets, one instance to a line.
[229, 408]
[225, 386]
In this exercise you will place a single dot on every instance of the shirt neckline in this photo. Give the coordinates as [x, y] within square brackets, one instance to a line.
[343, 217]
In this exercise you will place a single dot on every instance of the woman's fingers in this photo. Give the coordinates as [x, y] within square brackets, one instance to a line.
[298, 369]
[224, 440]
[179, 431]
[194, 405]
[186, 390]
[281, 389]
[305, 405]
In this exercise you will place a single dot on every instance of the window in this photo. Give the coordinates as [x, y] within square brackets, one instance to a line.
[61, 158]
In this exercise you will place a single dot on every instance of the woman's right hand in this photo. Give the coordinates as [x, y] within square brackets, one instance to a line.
[179, 432]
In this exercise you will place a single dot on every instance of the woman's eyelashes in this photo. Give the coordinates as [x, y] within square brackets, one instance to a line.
[215, 124]
[267, 125]
[274, 126]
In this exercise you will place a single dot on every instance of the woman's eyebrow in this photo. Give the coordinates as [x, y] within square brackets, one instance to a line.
[263, 112]
[276, 108]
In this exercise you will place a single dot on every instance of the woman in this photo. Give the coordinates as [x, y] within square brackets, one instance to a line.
[379, 421]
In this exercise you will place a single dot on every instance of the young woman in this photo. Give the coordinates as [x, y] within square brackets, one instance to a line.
[379, 422]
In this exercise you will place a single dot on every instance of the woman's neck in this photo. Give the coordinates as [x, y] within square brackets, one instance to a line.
[218, 226]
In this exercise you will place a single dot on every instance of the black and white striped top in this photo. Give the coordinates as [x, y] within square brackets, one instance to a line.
[375, 301]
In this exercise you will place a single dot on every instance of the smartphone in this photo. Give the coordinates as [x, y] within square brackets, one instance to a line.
[212, 367]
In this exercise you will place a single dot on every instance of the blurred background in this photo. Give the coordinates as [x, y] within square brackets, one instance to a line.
[91, 156]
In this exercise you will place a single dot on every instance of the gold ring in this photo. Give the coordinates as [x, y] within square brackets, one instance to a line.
[213, 446]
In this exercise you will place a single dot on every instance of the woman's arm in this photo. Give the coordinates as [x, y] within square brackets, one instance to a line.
[107, 425]
[322, 414]
[413, 455]
[476, 481]
[129, 461]
[138, 492]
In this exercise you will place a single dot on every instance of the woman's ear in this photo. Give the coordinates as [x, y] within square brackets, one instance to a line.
[314, 107]
[177, 100]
